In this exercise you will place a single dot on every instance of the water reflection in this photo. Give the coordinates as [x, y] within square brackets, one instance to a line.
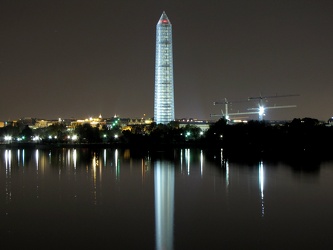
[164, 179]
[211, 198]
[37, 158]
[74, 158]
[23, 157]
[116, 161]
[8, 159]
[188, 160]
[8, 187]
[225, 166]
[261, 184]
[201, 163]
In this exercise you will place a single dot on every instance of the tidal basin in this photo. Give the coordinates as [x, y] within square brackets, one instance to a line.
[67, 198]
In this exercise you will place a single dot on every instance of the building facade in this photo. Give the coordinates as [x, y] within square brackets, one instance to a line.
[164, 108]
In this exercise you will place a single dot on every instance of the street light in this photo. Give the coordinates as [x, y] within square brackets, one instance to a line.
[36, 138]
[8, 138]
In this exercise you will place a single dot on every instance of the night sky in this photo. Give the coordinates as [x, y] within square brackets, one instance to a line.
[79, 58]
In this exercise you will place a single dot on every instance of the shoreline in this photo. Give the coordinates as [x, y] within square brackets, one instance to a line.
[229, 151]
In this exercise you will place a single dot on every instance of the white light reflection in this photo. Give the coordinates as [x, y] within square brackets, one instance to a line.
[74, 158]
[37, 161]
[8, 160]
[225, 164]
[164, 179]
[68, 157]
[104, 157]
[227, 173]
[18, 157]
[187, 160]
[23, 157]
[181, 160]
[261, 184]
[201, 162]
[116, 159]
[222, 159]
[37, 158]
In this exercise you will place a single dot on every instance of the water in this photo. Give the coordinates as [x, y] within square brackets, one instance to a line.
[181, 199]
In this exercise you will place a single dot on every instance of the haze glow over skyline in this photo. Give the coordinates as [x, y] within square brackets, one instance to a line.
[85, 58]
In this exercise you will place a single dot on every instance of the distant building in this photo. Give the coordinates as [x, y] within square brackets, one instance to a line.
[27, 121]
[41, 123]
[95, 122]
[202, 124]
[139, 121]
[164, 108]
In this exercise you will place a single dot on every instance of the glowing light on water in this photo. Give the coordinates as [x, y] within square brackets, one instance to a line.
[116, 159]
[37, 158]
[227, 173]
[181, 160]
[74, 158]
[261, 184]
[201, 162]
[18, 157]
[8, 160]
[187, 160]
[164, 182]
[68, 157]
[104, 157]
[23, 157]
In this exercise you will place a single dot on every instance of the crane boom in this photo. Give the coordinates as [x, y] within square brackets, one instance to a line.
[270, 96]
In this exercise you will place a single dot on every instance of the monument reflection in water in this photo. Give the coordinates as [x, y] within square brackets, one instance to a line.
[184, 199]
[164, 181]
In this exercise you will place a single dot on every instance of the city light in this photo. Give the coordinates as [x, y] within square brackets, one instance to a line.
[8, 138]
[36, 138]
[261, 110]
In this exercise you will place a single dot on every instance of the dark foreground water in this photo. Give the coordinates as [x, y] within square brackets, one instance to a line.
[182, 199]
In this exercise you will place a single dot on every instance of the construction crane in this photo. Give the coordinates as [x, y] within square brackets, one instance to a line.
[226, 103]
[226, 114]
[261, 108]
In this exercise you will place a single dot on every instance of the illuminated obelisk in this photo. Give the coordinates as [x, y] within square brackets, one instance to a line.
[164, 107]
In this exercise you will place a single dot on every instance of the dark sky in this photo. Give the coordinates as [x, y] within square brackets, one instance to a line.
[79, 58]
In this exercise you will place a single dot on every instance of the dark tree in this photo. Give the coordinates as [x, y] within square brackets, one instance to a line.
[26, 133]
[88, 134]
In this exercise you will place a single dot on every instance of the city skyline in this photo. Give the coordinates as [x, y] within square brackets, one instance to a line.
[83, 58]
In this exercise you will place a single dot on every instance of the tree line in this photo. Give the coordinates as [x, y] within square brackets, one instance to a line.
[254, 137]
